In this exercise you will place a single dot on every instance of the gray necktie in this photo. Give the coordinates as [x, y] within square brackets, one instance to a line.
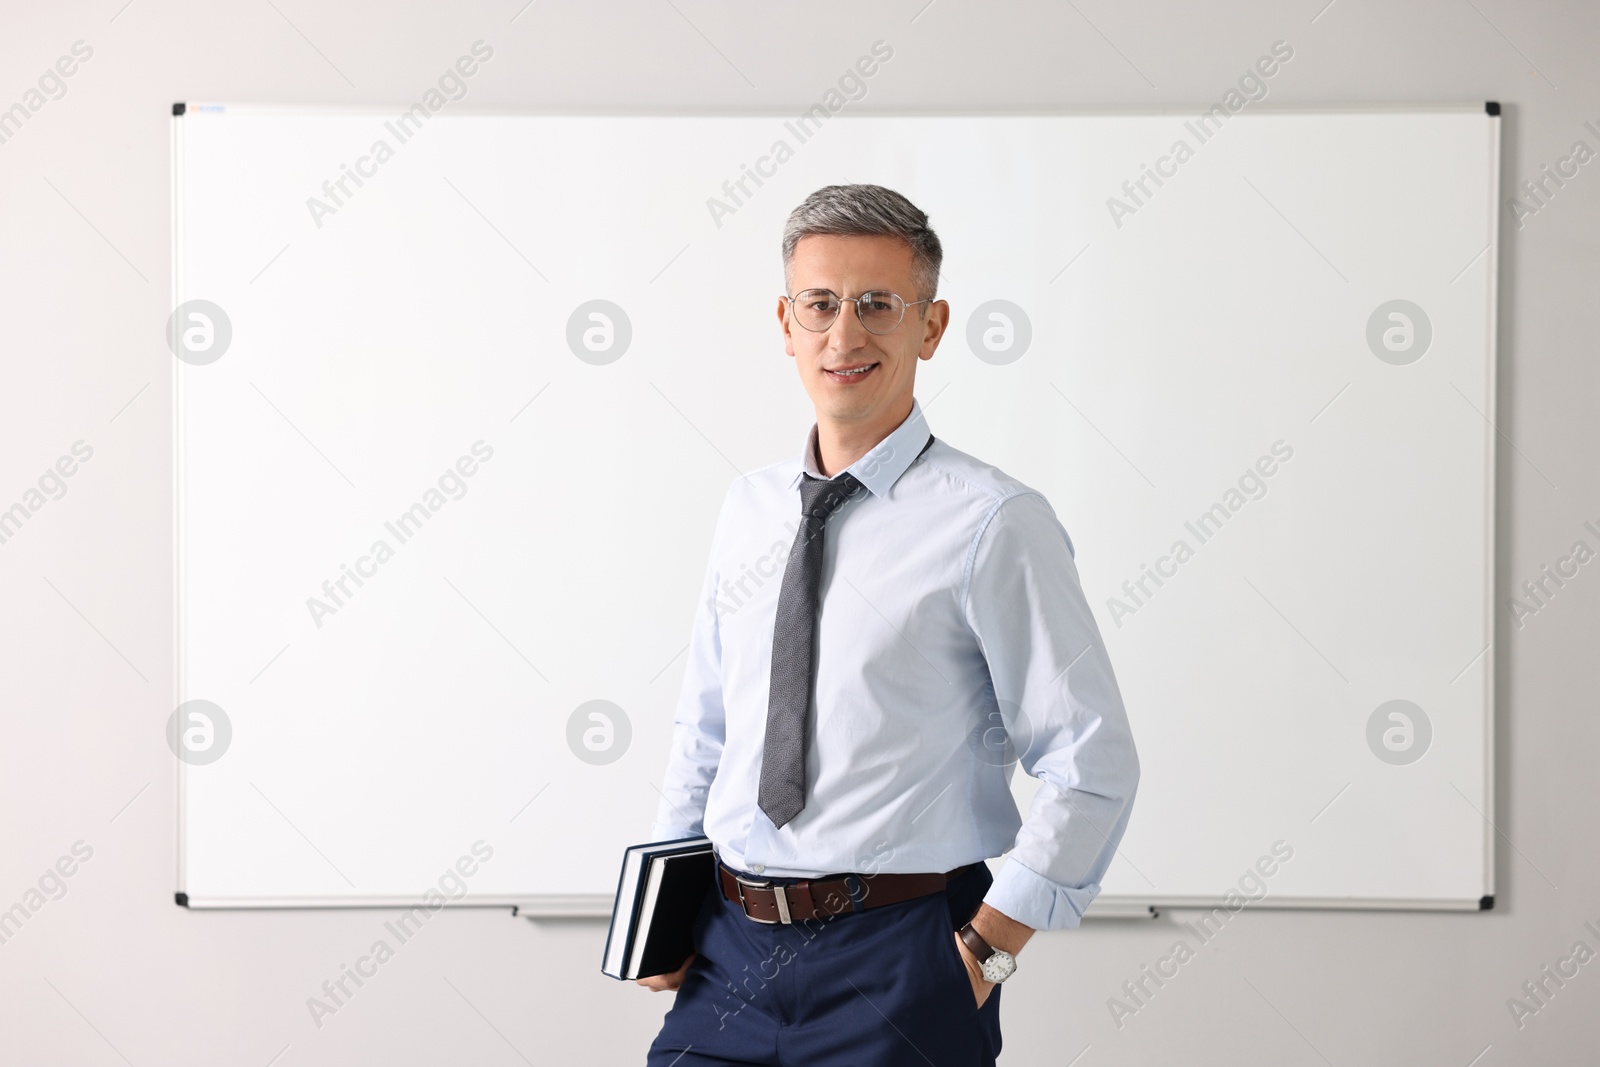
[783, 760]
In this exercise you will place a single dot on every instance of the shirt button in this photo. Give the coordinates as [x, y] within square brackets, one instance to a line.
[758, 867]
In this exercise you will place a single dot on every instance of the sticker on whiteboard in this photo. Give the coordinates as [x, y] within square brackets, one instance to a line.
[1399, 332]
[199, 332]
[999, 332]
[598, 732]
[198, 732]
[1399, 732]
[599, 332]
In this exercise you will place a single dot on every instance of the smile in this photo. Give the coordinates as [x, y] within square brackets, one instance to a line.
[855, 374]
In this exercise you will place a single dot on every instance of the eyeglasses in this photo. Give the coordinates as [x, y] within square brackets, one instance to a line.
[880, 311]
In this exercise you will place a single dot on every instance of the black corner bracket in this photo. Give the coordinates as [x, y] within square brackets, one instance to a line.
[1493, 108]
[180, 107]
[182, 899]
[1486, 903]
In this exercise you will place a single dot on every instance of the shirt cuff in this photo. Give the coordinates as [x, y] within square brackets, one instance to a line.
[1033, 900]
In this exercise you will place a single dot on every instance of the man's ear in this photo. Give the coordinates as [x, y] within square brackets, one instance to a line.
[939, 319]
[783, 324]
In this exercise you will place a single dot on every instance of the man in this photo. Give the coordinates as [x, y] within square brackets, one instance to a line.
[886, 626]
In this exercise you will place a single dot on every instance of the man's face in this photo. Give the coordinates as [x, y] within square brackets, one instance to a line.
[850, 266]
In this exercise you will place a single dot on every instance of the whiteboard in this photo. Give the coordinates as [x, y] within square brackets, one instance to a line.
[526, 354]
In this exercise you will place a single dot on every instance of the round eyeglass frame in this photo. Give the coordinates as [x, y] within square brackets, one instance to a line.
[857, 301]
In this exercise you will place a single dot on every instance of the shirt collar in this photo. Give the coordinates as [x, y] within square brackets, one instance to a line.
[882, 464]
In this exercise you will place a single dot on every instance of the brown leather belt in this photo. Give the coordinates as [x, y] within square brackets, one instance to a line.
[768, 902]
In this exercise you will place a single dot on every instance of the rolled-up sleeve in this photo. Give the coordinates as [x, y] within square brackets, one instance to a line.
[699, 723]
[1059, 700]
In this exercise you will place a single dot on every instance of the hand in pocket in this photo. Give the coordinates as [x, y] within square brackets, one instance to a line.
[981, 987]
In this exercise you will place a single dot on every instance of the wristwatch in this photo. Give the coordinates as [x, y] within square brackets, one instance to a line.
[997, 963]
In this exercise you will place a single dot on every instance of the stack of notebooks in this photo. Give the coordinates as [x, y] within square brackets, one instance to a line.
[659, 894]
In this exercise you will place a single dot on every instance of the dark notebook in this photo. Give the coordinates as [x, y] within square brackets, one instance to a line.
[659, 893]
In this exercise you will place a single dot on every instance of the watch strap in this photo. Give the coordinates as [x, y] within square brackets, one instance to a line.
[981, 949]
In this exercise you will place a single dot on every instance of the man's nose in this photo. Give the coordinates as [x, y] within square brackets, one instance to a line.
[847, 332]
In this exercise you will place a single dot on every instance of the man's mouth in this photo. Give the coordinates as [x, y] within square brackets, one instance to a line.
[851, 374]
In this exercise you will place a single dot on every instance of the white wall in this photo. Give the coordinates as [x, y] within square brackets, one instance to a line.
[113, 971]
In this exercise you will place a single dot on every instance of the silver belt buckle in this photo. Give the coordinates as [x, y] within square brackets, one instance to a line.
[779, 894]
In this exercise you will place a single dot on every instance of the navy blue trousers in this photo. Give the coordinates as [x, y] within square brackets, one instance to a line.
[881, 987]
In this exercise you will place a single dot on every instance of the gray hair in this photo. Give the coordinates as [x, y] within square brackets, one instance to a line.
[868, 211]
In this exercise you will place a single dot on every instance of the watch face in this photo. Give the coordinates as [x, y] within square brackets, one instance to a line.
[998, 967]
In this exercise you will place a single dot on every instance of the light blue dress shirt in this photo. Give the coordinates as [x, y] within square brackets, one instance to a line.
[953, 643]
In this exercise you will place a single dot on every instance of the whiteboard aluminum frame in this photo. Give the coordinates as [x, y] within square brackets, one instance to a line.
[555, 906]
